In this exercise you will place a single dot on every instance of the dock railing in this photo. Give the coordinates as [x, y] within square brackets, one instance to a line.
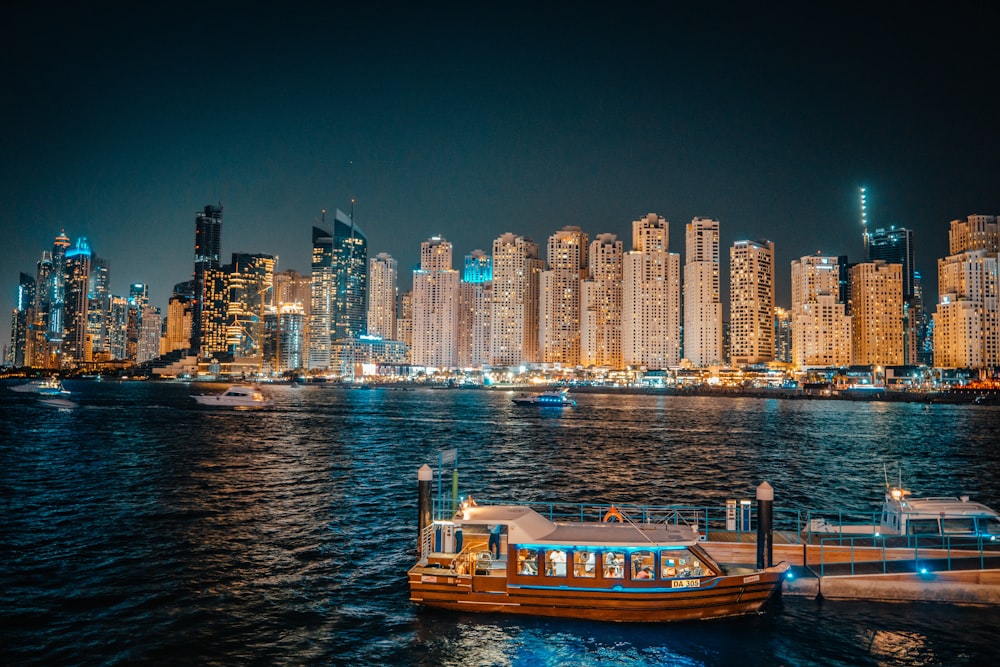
[922, 554]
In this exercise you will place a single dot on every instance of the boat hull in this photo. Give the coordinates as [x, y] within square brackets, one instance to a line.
[713, 597]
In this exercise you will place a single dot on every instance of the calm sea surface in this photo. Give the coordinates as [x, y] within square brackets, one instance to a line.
[139, 528]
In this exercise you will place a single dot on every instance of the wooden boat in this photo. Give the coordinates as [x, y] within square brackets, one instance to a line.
[615, 570]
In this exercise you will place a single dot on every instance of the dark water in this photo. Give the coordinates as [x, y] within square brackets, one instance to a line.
[141, 529]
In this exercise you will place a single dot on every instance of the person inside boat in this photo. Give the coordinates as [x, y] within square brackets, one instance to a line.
[494, 544]
[644, 573]
[527, 562]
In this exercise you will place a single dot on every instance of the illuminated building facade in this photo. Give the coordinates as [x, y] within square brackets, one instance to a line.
[435, 307]
[321, 297]
[207, 257]
[751, 302]
[383, 286]
[651, 319]
[76, 303]
[475, 298]
[821, 328]
[877, 314]
[601, 304]
[514, 309]
[702, 295]
[966, 325]
[21, 321]
[291, 336]
[559, 292]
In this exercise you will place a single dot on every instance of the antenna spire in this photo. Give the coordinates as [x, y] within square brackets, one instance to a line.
[864, 218]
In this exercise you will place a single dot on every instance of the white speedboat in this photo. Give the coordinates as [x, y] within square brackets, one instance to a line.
[547, 399]
[50, 386]
[238, 397]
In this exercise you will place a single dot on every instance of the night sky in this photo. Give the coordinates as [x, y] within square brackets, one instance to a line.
[120, 121]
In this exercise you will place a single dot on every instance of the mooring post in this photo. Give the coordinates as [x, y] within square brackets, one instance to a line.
[765, 537]
[424, 477]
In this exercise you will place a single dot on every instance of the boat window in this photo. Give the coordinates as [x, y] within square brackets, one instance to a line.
[922, 527]
[963, 525]
[527, 562]
[583, 564]
[643, 565]
[614, 565]
[668, 566]
[989, 526]
[555, 563]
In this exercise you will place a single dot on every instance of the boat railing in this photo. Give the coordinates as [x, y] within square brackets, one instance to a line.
[922, 554]
[706, 520]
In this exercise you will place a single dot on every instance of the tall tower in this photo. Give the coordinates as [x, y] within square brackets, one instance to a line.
[350, 277]
[601, 304]
[702, 302]
[821, 329]
[751, 304]
[475, 301]
[514, 310]
[559, 289]
[76, 304]
[321, 299]
[207, 249]
[967, 320]
[651, 297]
[57, 321]
[21, 321]
[435, 307]
[877, 312]
[383, 280]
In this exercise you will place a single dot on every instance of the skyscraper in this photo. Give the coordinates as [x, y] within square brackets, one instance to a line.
[751, 302]
[21, 320]
[601, 304]
[475, 301]
[435, 307]
[383, 280]
[651, 319]
[321, 299]
[702, 301]
[350, 277]
[967, 321]
[207, 251]
[877, 314]
[821, 329]
[76, 304]
[895, 246]
[559, 291]
[514, 310]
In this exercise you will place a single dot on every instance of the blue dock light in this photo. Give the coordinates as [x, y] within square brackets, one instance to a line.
[923, 570]
[789, 575]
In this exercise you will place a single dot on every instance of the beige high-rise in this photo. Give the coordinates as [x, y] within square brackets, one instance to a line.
[821, 329]
[651, 293]
[601, 304]
[514, 309]
[967, 321]
[751, 302]
[702, 304]
[877, 311]
[383, 284]
[435, 307]
[559, 291]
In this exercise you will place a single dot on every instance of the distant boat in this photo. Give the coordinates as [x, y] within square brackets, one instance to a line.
[238, 397]
[50, 385]
[547, 399]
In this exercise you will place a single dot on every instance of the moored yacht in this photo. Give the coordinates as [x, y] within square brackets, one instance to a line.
[550, 399]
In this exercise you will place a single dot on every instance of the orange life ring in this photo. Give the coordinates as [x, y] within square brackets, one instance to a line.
[613, 515]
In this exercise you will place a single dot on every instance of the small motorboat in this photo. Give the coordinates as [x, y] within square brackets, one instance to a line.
[237, 397]
[51, 386]
[547, 399]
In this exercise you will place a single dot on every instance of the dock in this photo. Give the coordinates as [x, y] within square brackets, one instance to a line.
[852, 571]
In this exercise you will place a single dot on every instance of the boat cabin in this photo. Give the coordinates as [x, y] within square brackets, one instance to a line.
[537, 552]
[902, 515]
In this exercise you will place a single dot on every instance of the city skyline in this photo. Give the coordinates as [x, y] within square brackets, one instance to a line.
[471, 124]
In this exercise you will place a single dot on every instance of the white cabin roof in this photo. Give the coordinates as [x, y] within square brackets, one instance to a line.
[526, 526]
